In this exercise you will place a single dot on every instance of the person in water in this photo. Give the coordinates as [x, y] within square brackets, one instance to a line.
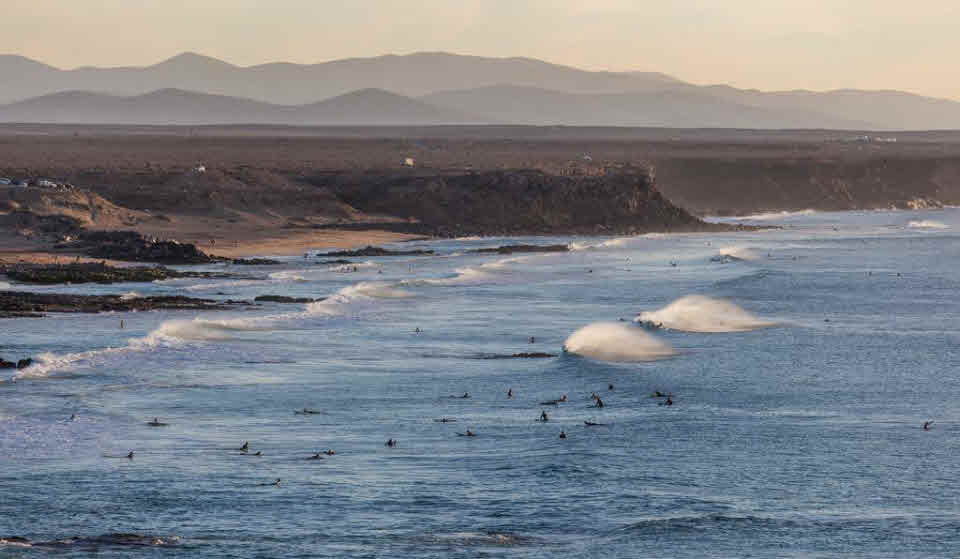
[544, 416]
[563, 435]
[315, 457]
[471, 433]
[610, 386]
[245, 447]
[599, 402]
[258, 453]
[130, 456]
[533, 340]
[926, 425]
[465, 395]
[510, 393]
[329, 452]
[391, 443]
[669, 401]
[594, 396]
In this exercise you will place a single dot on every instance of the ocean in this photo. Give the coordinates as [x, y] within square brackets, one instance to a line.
[801, 362]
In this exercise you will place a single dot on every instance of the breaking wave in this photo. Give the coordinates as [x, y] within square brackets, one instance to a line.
[775, 215]
[364, 293]
[698, 313]
[475, 274]
[611, 341]
[927, 224]
[735, 253]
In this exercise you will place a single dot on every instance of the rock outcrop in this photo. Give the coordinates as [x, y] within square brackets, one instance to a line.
[16, 303]
[622, 200]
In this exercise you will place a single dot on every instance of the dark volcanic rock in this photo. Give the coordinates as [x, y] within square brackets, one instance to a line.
[21, 364]
[531, 355]
[510, 249]
[14, 302]
[376, 251]
[254, 261]
[620, 201]
[134, 247]
[91, 272]
[284, 299]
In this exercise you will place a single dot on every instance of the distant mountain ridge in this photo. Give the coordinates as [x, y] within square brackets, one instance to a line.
[434, 88]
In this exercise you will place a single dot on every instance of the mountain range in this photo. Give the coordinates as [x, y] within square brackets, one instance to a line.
[433, 89]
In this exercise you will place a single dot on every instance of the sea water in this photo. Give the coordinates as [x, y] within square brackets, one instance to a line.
[802, 364]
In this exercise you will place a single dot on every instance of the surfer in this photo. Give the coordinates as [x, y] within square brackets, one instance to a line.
[130, 456]
[156, 423]
[315, 457]
[510, 393]
[599, 402]
[465, 395]
[258, 453]
[669, 401]
[592, 423]
[445, 420]
[245, 447]
[391, 443]
[610, 386]
[594, 396]
[563, 435]
[269, 484]
[533, 340]
[469, 433]
[329, 452]
[926, 425]
[544, 416]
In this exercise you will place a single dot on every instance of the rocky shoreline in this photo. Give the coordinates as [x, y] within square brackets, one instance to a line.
[92, 272]
[18, 304]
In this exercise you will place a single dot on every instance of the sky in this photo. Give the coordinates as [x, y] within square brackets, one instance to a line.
[762, 44]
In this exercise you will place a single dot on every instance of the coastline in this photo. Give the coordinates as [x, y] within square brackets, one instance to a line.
[229, 244]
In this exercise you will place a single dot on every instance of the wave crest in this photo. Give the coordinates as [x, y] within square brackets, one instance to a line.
[927, 224]
[699, 313]
[612, 341]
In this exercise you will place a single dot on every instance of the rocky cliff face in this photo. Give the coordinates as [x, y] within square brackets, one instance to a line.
[517, 202]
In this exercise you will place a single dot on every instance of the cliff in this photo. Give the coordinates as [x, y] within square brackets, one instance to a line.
[621, 200]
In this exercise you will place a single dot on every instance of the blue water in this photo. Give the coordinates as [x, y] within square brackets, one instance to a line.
[798, 439]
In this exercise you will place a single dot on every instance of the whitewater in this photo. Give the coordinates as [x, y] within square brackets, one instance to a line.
[801, 364]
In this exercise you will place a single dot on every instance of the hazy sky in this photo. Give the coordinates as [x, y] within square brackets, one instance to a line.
[764, 44]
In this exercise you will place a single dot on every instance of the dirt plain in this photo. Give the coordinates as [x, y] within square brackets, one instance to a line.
[240, 190]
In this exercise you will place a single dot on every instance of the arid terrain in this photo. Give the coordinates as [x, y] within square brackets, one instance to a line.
[275, 190]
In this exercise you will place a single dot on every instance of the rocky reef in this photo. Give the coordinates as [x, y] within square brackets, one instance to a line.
[22, 303]
[93, 272]
[511, 249]
[374, 251]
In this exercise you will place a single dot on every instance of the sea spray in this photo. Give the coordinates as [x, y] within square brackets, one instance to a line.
[353, 297]
[698, 313]
[612, 341]
[927, 224]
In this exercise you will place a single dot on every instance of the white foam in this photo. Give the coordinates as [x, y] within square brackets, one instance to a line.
[130, 295]
[365, 293]
[927, 224]
[698, 313]
[612, 341]
[287, 275]
[476, 274]
[610, 243]
[5, 285]
[775, 215]
[736, 252]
